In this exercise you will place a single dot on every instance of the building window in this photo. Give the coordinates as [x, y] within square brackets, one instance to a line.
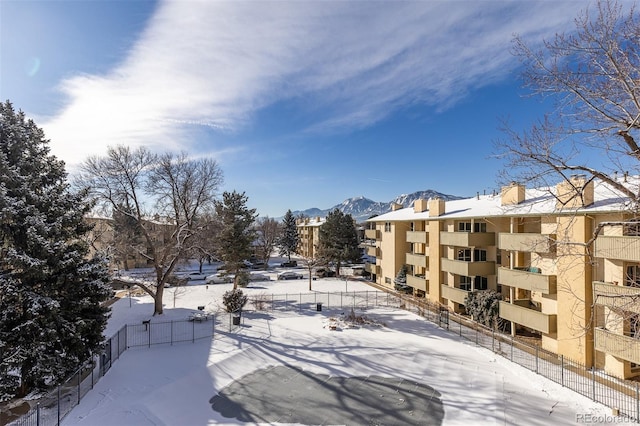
[632, 278]
[387, 227]
[465, 283]
[479, 227]
[480, 283]
[479, 255]
[464, 226]
[412, 227]
[464, 255]
[387, 280]
[631, 229]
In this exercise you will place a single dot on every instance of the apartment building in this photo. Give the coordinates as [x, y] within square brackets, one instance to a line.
[308, 231]
[578, 294]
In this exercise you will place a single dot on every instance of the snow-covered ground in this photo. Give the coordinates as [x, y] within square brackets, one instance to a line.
[174, 385]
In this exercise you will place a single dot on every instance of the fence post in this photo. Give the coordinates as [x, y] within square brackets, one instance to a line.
[149, 333]
[58, 404]
[79, 383]
[511, 348]
[536, 359]
[193, 331]
[562, 370]
[459, 323]
[493, 341]
[300, 303]
[637, 402]
[593, 383]
[475, 326]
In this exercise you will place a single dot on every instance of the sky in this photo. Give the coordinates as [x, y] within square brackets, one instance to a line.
[302, 103]
[475, 385]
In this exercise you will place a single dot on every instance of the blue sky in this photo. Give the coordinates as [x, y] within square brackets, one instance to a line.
[303, 104]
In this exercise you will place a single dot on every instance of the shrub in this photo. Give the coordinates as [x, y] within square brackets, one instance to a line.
[242, 278]
[234, 300]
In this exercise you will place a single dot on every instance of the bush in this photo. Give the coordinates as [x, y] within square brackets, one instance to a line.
[484, 307]
[234, 300]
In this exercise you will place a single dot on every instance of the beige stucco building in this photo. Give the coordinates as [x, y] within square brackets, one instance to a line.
[535, 246]
[308, 231]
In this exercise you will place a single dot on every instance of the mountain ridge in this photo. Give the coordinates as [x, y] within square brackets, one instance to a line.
[362, 208]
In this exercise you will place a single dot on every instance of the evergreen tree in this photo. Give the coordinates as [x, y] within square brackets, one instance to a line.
[484, 307]
[289, 239]
[236, 230]
[338, 239]
[400, 282]
[51, 319]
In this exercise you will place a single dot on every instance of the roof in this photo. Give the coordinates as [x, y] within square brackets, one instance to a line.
[538, 201]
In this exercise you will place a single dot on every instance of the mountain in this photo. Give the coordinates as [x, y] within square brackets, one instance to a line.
[361, 208]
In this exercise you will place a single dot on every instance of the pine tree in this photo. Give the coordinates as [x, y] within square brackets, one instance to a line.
[289, 239]
[236, 230]
[338, 239]
[51, 319]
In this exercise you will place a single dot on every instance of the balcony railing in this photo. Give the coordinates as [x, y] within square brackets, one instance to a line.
[618, 247]
[370, 268]
[418, 283]
[531, 318]
[416, 259]
[534, 243]
[372, 234]
[625, 347]
[546, 284]
[617, 296]
[453, 294]
[417, 237]
[467, 239]
[372, 251]
[468, 269]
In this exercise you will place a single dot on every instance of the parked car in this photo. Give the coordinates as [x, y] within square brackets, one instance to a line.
[195, 276]
[289, 264]
[322, 273]
[289, 275]
[220, 279]
[259, 277]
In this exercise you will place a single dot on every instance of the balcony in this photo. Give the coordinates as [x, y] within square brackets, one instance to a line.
[372, 251]
[620, 248]
[617, 296]
[533, 319]
[618, 345]
[372, 234]
[468, 269]
[416, 259]
[417, 237]
[453, 294]
[545, 284]
[533, 243]
[418, 283]
[467, 239]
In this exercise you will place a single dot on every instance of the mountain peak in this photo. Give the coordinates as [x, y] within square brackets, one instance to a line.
[362, 208]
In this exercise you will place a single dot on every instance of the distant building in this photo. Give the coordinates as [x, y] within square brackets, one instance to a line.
[308, 231]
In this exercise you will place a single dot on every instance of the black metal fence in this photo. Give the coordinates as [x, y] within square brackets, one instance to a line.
[621, 395]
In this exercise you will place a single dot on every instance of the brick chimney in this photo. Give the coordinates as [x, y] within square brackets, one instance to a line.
[420, 205]
[512, 194]
[395, 206]
[436, 207]
[575, 193]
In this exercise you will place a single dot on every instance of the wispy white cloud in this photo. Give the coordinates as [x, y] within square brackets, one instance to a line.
[349, 64]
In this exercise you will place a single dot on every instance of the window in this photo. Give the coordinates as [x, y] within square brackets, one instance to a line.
[465, 283]
[479, 255]
[479, 227]
[632, 229]
[387, 227]
[464, 226]
[480, 283]
[412, 227]
[632, 279]
[464, 255]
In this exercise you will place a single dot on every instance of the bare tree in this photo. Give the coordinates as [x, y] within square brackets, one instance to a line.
[268, 231]
[310, 263]
[164, 196]
[592, 76]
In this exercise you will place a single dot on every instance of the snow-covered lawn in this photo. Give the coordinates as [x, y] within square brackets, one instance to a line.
[174, 385]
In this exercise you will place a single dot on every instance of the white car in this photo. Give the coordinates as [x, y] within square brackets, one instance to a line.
[219, 279]
[195, 276]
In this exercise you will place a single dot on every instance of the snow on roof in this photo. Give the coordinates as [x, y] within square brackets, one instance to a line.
[538, 201]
